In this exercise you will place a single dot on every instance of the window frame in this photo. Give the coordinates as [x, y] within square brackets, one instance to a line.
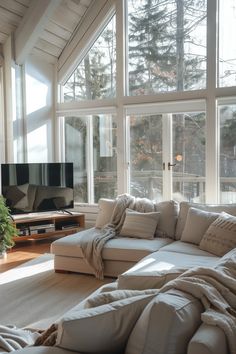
[123, 103]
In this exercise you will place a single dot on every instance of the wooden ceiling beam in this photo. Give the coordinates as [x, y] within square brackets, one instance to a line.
[31, 27]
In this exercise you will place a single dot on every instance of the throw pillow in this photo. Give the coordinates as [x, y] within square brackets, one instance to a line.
[105, 210]
[139, 225]
[169, 213]
[220, 237]
[197, 223]
[102, 329]
[183, 211]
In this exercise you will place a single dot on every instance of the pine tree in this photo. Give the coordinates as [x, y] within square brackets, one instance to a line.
[159, 31]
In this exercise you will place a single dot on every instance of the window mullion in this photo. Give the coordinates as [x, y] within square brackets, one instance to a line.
[212, 161]
[89, 160]
[167, 155]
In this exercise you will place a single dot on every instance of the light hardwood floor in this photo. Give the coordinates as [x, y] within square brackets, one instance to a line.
[23, 252]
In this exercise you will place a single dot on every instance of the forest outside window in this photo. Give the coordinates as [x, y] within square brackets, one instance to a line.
[166, 45]
[95, 76]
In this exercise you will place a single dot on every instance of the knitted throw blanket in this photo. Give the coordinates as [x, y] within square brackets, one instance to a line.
[216, 289]
[92, 244]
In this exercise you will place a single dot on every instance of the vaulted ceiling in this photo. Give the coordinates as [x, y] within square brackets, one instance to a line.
[51, 22]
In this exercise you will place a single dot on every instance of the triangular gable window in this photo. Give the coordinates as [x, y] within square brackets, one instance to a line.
[95, 76]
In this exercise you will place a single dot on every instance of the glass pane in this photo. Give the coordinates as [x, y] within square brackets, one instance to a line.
[146, 156]
[95, 76]
[189, 156]
[227, 43]
[166, 45]
[100, 156]
[75, 151]
[105, 157]
[227, 153]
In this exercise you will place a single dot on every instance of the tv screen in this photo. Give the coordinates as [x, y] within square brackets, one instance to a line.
[37, 187]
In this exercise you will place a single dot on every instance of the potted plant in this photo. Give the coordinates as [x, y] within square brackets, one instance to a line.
[7, 229]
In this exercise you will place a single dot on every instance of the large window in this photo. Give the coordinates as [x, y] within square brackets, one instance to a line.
[227, 45]
[227, 115]
[95, 76]
[90, 143]
[180, 168]
[166, 45]
[166, 70]
[189, 144]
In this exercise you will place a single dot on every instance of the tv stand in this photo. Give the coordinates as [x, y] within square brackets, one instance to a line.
[44, 225]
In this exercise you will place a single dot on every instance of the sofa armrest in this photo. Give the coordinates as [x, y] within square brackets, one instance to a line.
[208, 340]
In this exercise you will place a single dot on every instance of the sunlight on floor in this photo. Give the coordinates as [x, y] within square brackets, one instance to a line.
[36, 266]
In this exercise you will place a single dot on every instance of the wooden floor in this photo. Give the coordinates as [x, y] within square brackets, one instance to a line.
[23, 252]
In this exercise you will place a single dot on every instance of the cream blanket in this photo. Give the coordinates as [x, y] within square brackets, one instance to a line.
[13, 338]
[92, 244]
[216, 289]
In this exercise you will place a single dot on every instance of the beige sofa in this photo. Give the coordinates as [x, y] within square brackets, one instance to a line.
[134, 322]
[174, 248]
[166, 323]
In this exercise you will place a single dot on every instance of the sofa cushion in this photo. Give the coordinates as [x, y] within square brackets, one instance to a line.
[183, 211]
[208, 340]
[166, 325]
[160, 267]
[120, 248]
[139, 225]
[197, 222]
[105, 210]
[185, 247]
[101, 329]
[168, 217]
[220, 237]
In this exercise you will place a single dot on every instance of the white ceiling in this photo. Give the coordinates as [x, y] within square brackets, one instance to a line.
[58, 25]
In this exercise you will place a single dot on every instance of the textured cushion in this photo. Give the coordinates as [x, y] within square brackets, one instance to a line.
[139, 225]
[184, 207]
[102, 329]
[105, 210]
[155, 270]
[166, 325]
[197, 223]
[168, 217]
[220, 237]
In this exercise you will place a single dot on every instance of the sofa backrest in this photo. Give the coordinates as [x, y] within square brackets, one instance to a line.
[167, 222]
[168, 218]
[185, 206]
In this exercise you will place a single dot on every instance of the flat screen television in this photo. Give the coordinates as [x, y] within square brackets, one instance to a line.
[37, 187]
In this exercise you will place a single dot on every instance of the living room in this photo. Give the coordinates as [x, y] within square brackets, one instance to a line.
[139, 95]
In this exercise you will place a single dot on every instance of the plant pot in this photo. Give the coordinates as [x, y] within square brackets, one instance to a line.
[3, 255]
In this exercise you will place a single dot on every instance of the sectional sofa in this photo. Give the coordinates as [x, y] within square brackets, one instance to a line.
[173, 248]
[129, 315]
